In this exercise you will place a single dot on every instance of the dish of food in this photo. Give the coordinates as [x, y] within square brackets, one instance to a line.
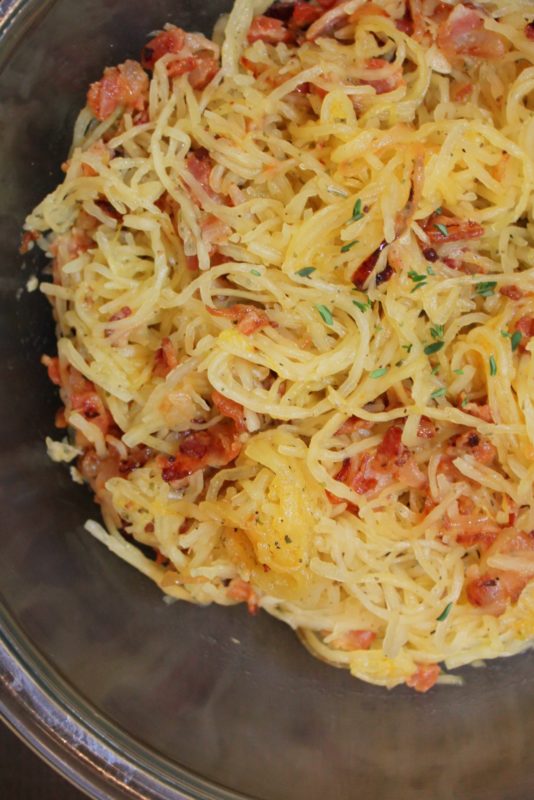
[290, 274]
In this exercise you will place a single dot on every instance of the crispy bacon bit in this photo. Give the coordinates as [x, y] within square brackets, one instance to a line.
[249, 318]
[386, 84]
[200, 164]
[192, 53]
[391, 445]
[371, 472]
[355, 640]
[481, 539]
[424, 678]
[244, 593]
[229, 408]
[212, 447]
[97, 471]
[525, 326]
[165, 359]
[125, 85]
[52, 365]
[464, 34]
[446, 228]
[353, 424]
[304, 14]
[426, 428]
[511, 291]
[26, 243]
[268, 30]
[529, 30]
[124, 312]
[361, 275]
[91, 406]
[280, 10]
[487, 593]
[477, 446]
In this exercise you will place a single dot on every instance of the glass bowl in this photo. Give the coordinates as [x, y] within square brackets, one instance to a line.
[129, 697]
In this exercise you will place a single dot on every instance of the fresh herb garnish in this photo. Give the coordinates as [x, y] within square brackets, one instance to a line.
[255, 272]
[485, 288]
[492, 365]
[445, 613]
[363, 306]
[304, 272]
[442, 228]
[464, 402]
[458, 371]
[407, 347]
[506, 334]
[438, 393]
[416, 276]
[430, 270]
[438, 210]
[433, 348]
[516, 339]
[435, 370]
[357, 212]
[377, 373]
[437, 331]
[347, 247]
[326, 314]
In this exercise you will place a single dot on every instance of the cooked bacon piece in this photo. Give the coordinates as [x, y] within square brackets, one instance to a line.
[200, 164]
[370, 472]
[525, 326]
[195, 55]
[353, 424]
[249, 318]
[362, 273]
[124, 312]
[487, 593]
[91, 406]
[478, 539]
[512, 292]
[492, 590]
[211, 447]
[355, 640]
[304, 14]
[280, 10]
[426, 428]
[356, 473]
[165, 359]
[464, 34]
[97, 471]
[125, 85]
[424, 678]
[244, 593]
[446, 228]
[229, 408]
[529, 30]
[26, 244]
[383, 85]
[477, 446]
[268, 30]
[52, 365]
